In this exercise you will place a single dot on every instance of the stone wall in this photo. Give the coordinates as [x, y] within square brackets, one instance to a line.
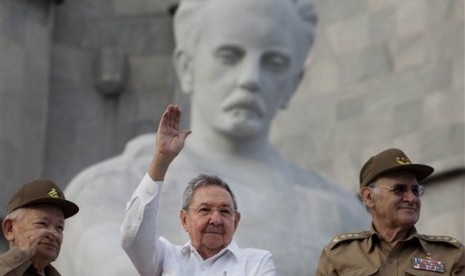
[385, 74]
[86, 126]
[24, 90]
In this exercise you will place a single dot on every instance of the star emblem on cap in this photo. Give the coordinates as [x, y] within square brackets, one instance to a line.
[402, 160]
[53, 193]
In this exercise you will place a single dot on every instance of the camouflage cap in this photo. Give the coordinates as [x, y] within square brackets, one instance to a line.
[391, 160]
[42, 191]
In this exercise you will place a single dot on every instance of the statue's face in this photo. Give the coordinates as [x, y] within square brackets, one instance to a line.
[246, 65]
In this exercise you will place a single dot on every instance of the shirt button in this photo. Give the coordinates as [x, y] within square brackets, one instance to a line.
[18, 259]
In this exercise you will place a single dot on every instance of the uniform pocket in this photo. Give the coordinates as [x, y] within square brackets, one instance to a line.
[419, 272]
[361, 272]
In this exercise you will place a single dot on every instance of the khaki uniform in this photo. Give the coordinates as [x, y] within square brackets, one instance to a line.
[15, 263]
[365, 253]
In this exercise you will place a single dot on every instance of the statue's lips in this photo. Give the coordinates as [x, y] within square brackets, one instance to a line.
[251, 107]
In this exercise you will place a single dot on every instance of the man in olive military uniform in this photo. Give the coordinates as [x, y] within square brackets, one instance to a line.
[34, 227]
[390, 191]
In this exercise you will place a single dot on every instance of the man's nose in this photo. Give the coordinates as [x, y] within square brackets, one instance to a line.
[54, 232]
[216, 218]
[249, 78]
[410, 196]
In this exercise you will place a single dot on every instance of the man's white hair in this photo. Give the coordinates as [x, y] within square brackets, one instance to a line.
[187, 23]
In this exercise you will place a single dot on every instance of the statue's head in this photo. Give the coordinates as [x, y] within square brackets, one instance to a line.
[241, 60]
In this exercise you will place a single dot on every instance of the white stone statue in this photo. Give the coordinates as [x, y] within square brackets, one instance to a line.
[240, 61]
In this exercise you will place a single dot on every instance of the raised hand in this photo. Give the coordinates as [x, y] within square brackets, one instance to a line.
[170, 141]
[30, 240]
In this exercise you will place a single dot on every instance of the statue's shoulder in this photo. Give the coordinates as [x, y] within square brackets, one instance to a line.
[129, 166]
[141, 145]
[313, 180]
[305, 177]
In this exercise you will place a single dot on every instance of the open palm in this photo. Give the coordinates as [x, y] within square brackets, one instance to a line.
[170, 140]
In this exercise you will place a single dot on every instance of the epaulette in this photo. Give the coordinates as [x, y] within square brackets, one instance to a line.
[348, 237]
[446, 239]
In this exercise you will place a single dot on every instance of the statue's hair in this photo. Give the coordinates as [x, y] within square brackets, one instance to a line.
[187, 22]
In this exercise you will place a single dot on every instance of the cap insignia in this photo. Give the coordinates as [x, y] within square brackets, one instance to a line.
[53, 193]
[402, 160]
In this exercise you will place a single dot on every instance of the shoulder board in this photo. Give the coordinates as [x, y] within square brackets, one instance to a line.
[348, 237]
[445, 239]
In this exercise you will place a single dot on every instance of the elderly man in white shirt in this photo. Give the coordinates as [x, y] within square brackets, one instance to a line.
[209, 215]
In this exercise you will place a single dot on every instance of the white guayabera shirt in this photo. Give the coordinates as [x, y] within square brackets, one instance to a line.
[153, 255]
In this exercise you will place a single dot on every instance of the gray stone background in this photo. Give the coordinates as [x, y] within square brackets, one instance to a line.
[383, 73]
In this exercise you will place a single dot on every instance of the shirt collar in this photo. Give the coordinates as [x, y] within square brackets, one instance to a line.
[376, 238]
[232, 247]
[49, 270]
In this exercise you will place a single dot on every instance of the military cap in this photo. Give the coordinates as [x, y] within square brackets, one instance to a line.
[391, 160]
[42, 191]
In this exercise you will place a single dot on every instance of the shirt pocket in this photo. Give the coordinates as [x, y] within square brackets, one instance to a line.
[361, 272]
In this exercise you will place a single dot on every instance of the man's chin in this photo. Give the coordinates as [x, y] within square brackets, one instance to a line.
[213, 240]
[50, 252]
[46, 257]
[410, 220]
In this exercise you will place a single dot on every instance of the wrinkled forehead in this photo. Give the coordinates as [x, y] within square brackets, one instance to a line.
[212, 195]
[398, 177]
[43, 211]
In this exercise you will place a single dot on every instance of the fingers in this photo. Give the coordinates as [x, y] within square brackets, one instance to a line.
[183, 134]
[171, 117]
[38, 234]
[175, 117]
[31, 239]
[169, 137]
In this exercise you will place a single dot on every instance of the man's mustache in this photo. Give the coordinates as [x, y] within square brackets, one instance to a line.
[216, 229]
[245, 100]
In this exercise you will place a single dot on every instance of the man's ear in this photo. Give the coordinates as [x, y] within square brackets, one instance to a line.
[7, 227]
[183, 217]
[296, 79]
[237, 218]
[183, 66]
[366, 194]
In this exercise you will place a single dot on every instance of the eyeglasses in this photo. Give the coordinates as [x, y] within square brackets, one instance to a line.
[207, 210]
[400, 189]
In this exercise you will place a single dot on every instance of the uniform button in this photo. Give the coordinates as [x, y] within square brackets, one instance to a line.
[18, 259]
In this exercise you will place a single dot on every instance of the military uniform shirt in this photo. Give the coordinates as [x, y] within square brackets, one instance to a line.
[15, 263]
[365, 253]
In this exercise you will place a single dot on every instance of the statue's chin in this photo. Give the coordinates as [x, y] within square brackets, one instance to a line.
[241, 127]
